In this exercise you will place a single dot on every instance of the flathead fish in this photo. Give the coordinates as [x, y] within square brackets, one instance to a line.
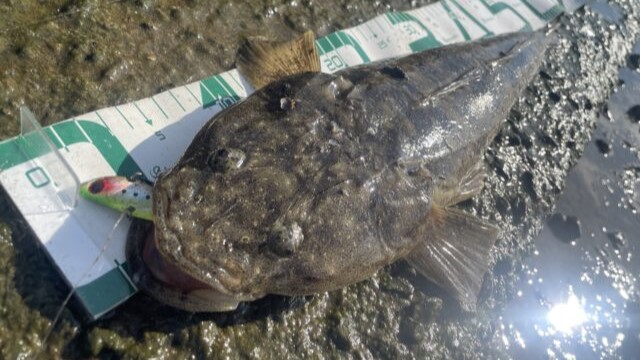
[316, 181]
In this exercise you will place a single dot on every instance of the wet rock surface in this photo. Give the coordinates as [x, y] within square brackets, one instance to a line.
[67, 58]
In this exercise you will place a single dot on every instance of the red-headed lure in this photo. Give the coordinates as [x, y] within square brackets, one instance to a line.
[122, 194]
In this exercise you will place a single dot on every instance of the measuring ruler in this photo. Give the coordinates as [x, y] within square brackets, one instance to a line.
[42, 168]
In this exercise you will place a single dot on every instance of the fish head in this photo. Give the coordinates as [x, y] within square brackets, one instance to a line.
[220, 213]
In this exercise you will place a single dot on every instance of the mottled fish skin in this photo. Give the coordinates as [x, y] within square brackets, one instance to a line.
[317, 181]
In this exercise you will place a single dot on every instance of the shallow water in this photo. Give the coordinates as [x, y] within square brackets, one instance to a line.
[579, 293]
[68, 57]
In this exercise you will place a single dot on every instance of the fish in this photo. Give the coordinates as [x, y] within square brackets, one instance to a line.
[317, 181]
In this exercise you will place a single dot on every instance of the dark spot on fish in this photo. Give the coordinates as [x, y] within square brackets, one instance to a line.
[357, 76]
[275, 92]
[216, 159]
[603, 146]
[135, 194]
[393, 72]
[223, 160]
[554, 96]
[634, 113]
[565, 228]
[148, 197]
[124, 191]
[96, 187]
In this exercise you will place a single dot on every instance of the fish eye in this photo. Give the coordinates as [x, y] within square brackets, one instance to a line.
[222, 159]
[287, 103]
[96, 186]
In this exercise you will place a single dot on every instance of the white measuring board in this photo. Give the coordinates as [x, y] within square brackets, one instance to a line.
[149, 135]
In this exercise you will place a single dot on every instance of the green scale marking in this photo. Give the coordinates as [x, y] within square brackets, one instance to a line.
[101, 294]
[427, 42]
[327, 44]
[216, 91]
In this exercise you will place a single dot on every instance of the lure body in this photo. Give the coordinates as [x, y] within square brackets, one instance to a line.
[121, 194]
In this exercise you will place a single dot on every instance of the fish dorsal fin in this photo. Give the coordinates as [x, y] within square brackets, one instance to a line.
[263, 62]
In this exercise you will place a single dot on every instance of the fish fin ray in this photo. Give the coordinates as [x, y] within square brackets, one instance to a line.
[263, 62]
[469, 185]
[455, 253]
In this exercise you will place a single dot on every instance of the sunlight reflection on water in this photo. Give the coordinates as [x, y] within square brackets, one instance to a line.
[565, 317]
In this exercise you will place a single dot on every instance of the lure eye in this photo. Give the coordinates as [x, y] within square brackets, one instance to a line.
[96, 187]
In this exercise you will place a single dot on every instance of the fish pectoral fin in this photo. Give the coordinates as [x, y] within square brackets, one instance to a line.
[263, 62]
[454, 252]
[470, 184]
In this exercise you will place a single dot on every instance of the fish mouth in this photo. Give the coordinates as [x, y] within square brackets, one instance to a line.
[165, 271]
[165, 281]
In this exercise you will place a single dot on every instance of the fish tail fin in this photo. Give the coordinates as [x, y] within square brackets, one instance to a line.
[263, 62]
[455, 252]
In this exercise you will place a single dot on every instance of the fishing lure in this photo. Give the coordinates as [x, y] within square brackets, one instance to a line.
[128, 195]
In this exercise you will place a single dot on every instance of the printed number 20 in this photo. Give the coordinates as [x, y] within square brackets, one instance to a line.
[334, 63]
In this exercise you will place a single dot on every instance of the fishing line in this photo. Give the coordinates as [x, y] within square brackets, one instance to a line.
[76, 284]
